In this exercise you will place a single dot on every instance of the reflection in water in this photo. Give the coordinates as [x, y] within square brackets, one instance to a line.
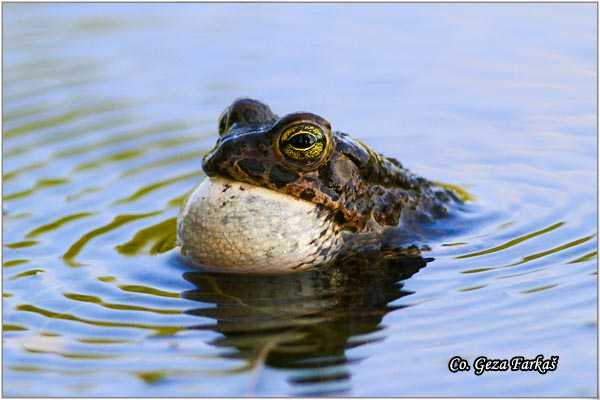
[304, 322]
[107, 114]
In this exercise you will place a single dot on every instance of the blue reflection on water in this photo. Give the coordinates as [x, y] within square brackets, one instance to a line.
[498, 98]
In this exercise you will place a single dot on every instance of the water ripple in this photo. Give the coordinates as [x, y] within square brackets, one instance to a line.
[103, 138]
[43, 183]
[158, 185]
[116, 306]
[58, 223]
[513, 242]
[161, 330]
[117, 222]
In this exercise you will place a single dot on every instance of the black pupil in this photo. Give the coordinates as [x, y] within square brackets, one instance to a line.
[302, 141]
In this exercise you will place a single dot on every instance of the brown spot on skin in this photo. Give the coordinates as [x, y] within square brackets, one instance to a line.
[225, 173]
[252, 167]
[281, 176]
[226, 187]
[307, 194]
[327, 176]
[339, 218]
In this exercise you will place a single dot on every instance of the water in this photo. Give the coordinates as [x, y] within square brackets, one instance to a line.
[108, 109]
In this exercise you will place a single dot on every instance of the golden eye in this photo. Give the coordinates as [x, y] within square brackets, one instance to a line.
[302, 142]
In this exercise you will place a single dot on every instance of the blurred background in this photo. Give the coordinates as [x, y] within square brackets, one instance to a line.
[108, 109]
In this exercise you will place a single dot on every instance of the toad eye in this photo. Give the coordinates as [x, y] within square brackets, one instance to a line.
[302, 142]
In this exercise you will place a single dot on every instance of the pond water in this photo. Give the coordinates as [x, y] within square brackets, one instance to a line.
[109, 108]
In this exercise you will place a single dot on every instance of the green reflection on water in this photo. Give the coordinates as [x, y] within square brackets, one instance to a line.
[538, 289]
[72, 355]
[58, 223]
[151, 377]
[162, 236]
[125, 155]
[471, 288]
[60, 119]
[554, 250]
[25, 368]
[12, 263]
[102, 341]
[23, 111]
[513, 242]
[25, 243]
[14, 217]
[77, 195]
[40, 184]
[163, 162]
[50, 66]
[477, 270]
[31, 167]
[585, 257]
[462, 193]
[97, 300]
[91, 128]
[118, 221]
[179, 200]
[26, 273]
[148, 290]
[538, 255]
[123, 137]
[155, 186]
[10, 327]
[161, 330]
[33, 91]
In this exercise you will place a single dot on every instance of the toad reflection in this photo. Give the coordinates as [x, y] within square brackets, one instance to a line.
[304, 322]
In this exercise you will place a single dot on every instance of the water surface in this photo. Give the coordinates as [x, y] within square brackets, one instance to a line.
[108, 109]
